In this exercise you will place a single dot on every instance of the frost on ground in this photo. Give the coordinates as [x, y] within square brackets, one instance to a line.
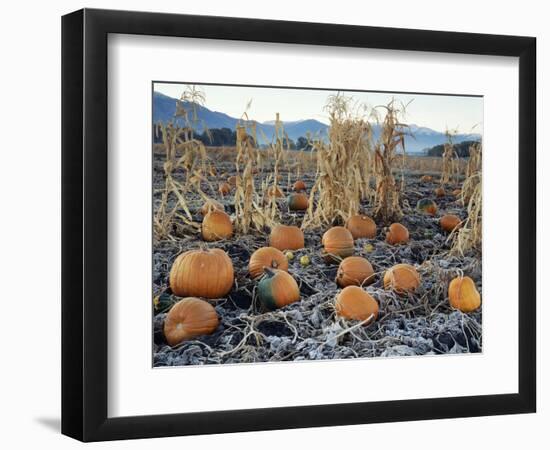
[419, 324]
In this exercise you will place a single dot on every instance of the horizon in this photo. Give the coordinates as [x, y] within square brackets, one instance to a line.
[434, 111]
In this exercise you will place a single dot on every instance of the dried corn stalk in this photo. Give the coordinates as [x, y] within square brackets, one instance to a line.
[343, 166]
[248, 211]
[470, 235]
[387, 200]
[450, 161]
[179, 140]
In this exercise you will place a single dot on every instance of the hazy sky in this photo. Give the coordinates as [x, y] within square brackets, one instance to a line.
[433, 111]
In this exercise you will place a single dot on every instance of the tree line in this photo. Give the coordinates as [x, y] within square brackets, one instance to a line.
[225, 137]
[462, 149]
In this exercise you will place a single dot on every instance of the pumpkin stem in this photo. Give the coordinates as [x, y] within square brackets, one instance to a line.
[269, 272]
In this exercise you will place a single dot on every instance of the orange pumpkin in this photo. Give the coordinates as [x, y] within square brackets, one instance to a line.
[439, 192]
[397, 234]
[299, 186]
[354, 270]
[402, 278]
[274, 191]
[426, 179]
[337, 243]
[463, 294]
[449, 222]
[211, 205]
[277, 289]
[286, 237]
[202, 273]
[216, 225]
[224, 189]
[266, 257]
[232, 181]
[298, 202]
[189, 318]
[356, 304]
[361, 227]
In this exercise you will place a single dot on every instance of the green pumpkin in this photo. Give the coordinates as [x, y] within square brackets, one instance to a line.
[298, 202]
[163, 302]
[277, 289]
[427, 206]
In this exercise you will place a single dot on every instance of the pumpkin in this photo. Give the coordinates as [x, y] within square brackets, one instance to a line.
[224, 189]
[285, 237]
[439, 192]
[211, 205]
[337, 243]
[402, 278]
[361, 227]
[274, 191]
[304, 261]
[298, 202]
[299, 186]
[232, 181]
[266, 257]
[449, 222]
[162, 302]
[427, 206]
[426, 179]
[189, 318]
[202, 273]
[277, 289]
[354, 270]
[356, 304]
[397, 234]
[457, 192]
[463, 294]
[216, 225]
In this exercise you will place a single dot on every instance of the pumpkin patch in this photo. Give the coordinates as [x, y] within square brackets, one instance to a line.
[339, 236]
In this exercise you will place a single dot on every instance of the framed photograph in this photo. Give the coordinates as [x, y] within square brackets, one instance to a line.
[273, 225]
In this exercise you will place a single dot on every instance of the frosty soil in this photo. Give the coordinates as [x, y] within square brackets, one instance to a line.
[418, 324]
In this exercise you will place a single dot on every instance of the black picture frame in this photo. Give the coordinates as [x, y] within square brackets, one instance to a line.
[84, 224]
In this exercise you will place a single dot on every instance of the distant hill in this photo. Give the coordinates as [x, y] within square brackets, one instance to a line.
[164, 108]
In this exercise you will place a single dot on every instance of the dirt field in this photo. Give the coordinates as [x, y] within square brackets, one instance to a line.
[419, 324]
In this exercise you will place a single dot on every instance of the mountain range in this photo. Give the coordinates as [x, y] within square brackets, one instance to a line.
[164, 108]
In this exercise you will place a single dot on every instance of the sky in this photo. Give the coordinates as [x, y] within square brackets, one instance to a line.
[438, 112]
